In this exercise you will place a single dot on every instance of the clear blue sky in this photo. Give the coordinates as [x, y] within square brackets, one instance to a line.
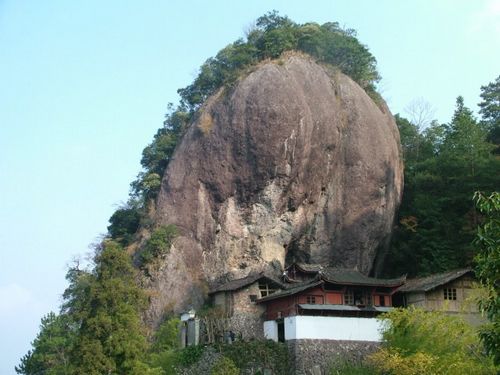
[85, 84]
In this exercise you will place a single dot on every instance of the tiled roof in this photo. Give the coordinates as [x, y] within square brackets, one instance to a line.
[425, 284]
[291, 291]
[353, 277]
[245, 281]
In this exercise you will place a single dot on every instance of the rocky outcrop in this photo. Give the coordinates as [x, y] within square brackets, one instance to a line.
[295, 162]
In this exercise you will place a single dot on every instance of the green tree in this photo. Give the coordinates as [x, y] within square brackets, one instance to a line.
[105, 305]
[50, 353]
[167, 335]
[490, 111]
[465, 142]
[157, 155]
[124, 223]
[488, 269]
[411, 141]
[273, 35]
[444, 166]
[420, 342]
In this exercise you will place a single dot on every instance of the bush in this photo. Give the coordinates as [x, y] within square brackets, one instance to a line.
[224, 366]
[190, 355]
[124, 223]
[421, 342]
[167, 335]
[158, 244]
[167, 360]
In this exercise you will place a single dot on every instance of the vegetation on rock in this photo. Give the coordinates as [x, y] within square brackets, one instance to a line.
[158, 244]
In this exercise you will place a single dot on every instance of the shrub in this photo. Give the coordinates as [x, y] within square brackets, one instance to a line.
[167, 360]
[190, 355]
[158, 244]
[421, 342]
[224, 366]
[167, 335]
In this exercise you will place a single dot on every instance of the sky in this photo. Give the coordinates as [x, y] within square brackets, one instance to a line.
[84, 85]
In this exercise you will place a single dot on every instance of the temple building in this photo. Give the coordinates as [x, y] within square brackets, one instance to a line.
[307, 302]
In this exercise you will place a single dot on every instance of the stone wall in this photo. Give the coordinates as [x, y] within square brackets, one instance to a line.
[315, 357]
[246, 320]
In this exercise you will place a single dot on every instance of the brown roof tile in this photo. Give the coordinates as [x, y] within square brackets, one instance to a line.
[424, 284]
[245, 281]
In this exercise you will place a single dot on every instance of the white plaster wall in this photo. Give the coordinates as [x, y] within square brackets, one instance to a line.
[290, 328]
[271, 330]
[332, 328]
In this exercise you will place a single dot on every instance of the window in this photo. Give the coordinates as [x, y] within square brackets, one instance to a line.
[265, 289]
[253, 297]
[311, 299]
[450, 294]
[349, 298]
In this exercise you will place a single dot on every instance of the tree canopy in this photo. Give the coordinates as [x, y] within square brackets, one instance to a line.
[488, 269]
[274, 34]
[444, 165]
[99, 329]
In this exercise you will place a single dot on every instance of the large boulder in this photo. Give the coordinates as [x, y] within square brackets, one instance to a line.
[295, 162]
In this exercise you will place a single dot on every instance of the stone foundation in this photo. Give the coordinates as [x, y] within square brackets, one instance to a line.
[315, 357]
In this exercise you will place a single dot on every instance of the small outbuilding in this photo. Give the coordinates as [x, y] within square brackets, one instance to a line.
[452, 292]
[237, 300]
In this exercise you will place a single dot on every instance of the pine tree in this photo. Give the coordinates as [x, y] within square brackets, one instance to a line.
[106, 306]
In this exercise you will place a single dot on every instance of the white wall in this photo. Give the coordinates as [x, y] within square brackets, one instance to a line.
[330, 328]
[271, 330]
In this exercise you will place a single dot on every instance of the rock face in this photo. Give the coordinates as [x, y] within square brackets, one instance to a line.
[294, 163]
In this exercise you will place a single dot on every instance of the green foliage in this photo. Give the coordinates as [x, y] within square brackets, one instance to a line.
[158, 244]
[488, 269]
[99, 329]
[490, 111]
[157, 155]
[190, 355]
[421, 342]
[105, 305]
[167, 335]
[273, 35]
[50, 353]
[166, 360]
[224, 366]
[444, 165]
[124, 223]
